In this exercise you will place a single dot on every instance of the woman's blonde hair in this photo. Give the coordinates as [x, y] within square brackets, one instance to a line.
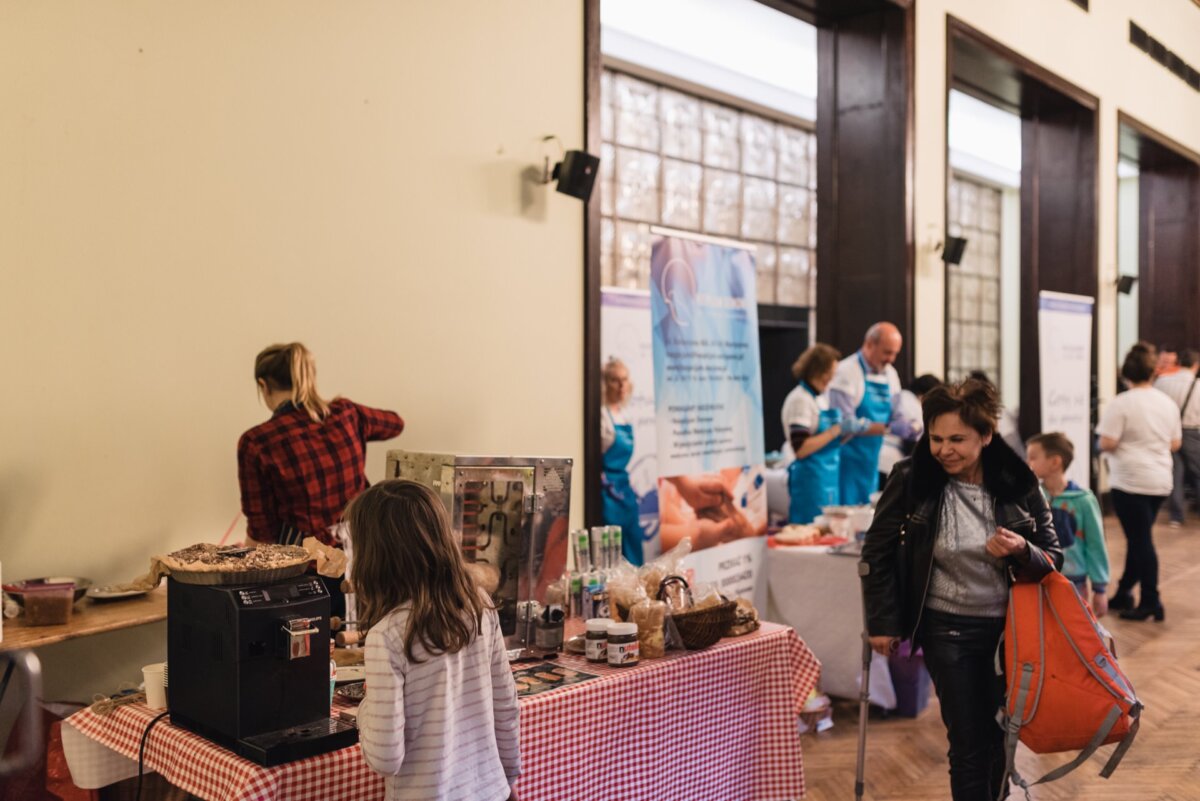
[292, 367]
[406, 554]
[815, 361]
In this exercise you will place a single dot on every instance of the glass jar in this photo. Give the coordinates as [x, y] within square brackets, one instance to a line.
[623, 650]
[596, 640]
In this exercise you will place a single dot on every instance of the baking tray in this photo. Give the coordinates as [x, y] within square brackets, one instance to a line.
[223, 577]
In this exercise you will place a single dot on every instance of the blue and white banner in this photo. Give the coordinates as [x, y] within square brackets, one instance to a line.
[1065, 355]
[707, 374]
[625, 335]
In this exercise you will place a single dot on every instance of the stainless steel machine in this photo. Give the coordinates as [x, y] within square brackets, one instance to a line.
[510, 513]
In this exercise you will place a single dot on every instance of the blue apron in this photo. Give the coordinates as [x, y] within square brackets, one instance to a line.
[618, 502]
[860, 456]
[813, 480]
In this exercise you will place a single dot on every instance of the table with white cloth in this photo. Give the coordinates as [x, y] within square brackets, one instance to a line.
[719, 723]
[818, 592]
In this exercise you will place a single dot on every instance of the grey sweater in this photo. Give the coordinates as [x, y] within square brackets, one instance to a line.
[966, 579]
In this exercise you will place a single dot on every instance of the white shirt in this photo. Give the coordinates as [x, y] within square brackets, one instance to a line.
[1177, 386]
[849, 385]
[1144, 422]
[608, 431]
[905, 406]
[446, 728]
[801, 409]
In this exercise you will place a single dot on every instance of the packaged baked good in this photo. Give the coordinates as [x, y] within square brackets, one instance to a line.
[650, 617]
[745, 618]
[624, 591]
[706, 595]
[652, 573]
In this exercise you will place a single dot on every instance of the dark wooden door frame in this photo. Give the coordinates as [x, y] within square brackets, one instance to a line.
[1146, 132]
[593, 385]
[1163, 152]
[1022, 91]
[1026, 73]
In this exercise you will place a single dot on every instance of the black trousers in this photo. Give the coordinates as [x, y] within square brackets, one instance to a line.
[960, 653]
[1137, 514]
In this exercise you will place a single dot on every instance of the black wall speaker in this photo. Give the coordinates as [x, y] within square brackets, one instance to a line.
[576, 174]
[1125, 283]
[952, 253]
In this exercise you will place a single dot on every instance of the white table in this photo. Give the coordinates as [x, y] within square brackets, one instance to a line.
[818, 593]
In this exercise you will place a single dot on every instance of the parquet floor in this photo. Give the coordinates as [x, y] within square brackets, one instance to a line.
[906, 758]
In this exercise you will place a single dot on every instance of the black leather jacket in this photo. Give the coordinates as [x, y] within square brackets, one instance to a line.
[897, 554]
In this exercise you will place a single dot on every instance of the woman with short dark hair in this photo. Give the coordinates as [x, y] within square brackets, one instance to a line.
[957, 523]
[813, 431]
[1139, 430]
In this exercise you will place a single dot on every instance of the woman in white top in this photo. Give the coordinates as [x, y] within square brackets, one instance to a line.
[813, 430]
[1139, 431]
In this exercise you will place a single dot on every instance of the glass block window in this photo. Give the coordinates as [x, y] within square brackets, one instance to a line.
[973, 287]
[678, 160]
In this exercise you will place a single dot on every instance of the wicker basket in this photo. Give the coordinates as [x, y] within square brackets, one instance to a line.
[699, 628]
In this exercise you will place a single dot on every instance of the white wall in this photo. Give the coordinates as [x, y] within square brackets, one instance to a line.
[184, 183]
[1091, 50]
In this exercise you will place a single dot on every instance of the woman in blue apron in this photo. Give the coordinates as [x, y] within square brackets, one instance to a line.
[813, 431]
[860, 456]
[618, 501]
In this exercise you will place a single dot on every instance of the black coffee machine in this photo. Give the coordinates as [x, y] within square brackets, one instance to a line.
[248, 667]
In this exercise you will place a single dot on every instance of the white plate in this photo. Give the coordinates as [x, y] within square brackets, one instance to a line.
[101, 594]
[350, 673]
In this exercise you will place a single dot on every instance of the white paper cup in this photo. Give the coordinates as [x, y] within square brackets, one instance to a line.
[156, 690]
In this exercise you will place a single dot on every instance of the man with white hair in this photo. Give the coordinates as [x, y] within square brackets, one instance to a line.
[863, 388]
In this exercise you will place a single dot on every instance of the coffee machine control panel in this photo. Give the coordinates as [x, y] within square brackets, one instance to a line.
[280, 594]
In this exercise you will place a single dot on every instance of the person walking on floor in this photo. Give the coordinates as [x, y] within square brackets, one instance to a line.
[1077, 518]
[957, 522]
[1139, 430]
[1181, 387]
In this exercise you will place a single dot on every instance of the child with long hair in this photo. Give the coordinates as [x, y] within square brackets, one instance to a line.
[440, 718]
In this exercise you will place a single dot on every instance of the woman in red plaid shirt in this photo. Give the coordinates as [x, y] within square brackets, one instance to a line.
[299, 469]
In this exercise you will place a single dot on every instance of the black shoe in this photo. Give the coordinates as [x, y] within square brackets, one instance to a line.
[1120, 601]
[1143, 613]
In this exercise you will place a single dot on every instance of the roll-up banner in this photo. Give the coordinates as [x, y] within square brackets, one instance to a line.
[708, 408]
[1065, 355]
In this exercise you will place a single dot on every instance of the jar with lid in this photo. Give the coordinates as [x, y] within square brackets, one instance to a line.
[623, 648]
[596, 640]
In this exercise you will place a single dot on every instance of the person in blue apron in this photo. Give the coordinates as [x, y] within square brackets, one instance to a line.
[813, 433]
[863, 389]
[618, 501]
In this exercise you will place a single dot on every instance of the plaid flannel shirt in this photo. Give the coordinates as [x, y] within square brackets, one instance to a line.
[297, 475]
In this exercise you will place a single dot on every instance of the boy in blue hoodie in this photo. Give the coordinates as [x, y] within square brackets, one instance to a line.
[1076, 514]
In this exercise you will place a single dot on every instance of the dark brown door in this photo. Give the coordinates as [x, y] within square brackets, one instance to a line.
[1168, 252]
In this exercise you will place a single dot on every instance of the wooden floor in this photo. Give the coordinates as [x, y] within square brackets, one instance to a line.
[906, 758]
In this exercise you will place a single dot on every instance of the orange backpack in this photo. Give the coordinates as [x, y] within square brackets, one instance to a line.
[1065, 691]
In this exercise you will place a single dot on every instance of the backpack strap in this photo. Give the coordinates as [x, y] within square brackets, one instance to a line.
[1013, 723]
[1097, 740]
[1012, 730]
[1118, 753]
[1191, 389]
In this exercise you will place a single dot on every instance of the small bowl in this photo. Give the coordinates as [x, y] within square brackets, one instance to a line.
[17, 588]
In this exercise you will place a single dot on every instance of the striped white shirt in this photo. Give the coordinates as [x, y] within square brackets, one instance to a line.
[446, 728]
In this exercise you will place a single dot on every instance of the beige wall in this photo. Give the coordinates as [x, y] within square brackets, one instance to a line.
[184, 183]
[1092, 51]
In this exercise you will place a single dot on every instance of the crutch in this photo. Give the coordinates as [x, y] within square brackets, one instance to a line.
[864, 695]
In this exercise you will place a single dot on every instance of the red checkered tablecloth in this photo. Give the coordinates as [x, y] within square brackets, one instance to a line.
[714, 724]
